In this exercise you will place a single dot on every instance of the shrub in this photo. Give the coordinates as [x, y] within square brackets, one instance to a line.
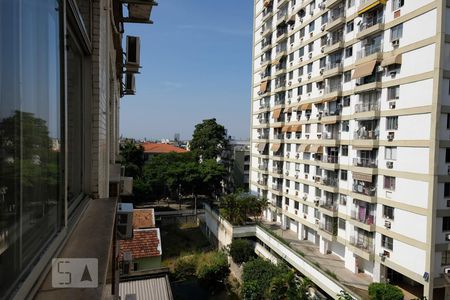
[212, 269]
[241, 251]
[185, 267]
[380, 291]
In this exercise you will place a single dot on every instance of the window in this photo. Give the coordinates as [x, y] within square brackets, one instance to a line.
[341, 223]
[292, 38]
[393, 92]
[391, 123]
[324, 19]
[291, 56]
[300, 71]
[286, 201]
[396, 4]
[396, 32]
[344, 175]
[300, 90]
[322, 62]
[345, 126]
[389, 183]
[288, 149]
[297, 167]
[390, 153]
[388, 212]
[311, 47]
[350, 3]
[348, 52]
[291, 75]
[316, 213]
[445, 258]
[301, 52]
[346, 101]
[296, 205]
[302, 32]
[309, 67]
[305, 208]
[445, 223]
[448, 121]
[306, 189]
[447, 155]
[347, 76]
[344, 150]
[387, 242]
[318, 192]
[312, 26]
[309, 88]
[342, 199]
[350, 26]
[447, 189]
[289, 93]
[306, 169]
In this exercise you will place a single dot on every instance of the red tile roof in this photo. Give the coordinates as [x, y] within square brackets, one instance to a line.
[143, 218]
[161, 148]
[145, 243]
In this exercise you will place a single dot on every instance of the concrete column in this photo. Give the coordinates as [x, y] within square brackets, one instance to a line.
[301, 229]
[323, 245]
[377, 272]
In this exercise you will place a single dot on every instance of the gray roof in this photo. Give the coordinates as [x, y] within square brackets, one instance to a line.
[146, 289]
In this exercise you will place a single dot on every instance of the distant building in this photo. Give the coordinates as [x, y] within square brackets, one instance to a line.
[237, 161]
[153, 149]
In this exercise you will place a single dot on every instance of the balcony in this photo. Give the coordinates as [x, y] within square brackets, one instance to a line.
[363, 215]
[336, 19]
[280, 86]
[263, 121]
[369, 52]
[367, 189]
[266, 45]
[330, 181]
[331, 3]
[364, 243]
[277, 187]
[333, 90]
[264, 105]
[330, 205]
[363, 134]
[263, 136]
[367, 106]
[333, 135]
[333, 68]
[334, 44]
[370, 26]
[262, 182]
[278, 136]
[365, 5]
[281, 33]
[263, 167]
[329, 227]
[365, 162]
[330, 159]
[277, 170]
[267, 12]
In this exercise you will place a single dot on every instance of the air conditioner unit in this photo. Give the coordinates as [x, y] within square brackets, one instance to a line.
[311, 34]
[311, 12]
[310, 54]
[289, 101]
[290, 83]
[301, 58]
[447, 237]
[286, 173]
[297, 155]
[389, 164]
[305, 197]
[306, 176]
[130, 84]
[291, 63]
[322, 49]
[287, 155]
[321, 71]
[296, 212]
[395, 43]
[301, 21]
[292, 44]
[304, 216]
[447, 271]
[299, 80]
[317, 221]
[316, 202]
[132, 61]
[296, 192]
[390, 136]
[309, 77]
[387, 224]
[125, 221]
[392, 105]
[287, 191]
[286, 207]
[323, 27]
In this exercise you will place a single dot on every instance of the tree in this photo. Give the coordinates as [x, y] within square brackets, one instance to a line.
[241, 250]
[343, 295]
[209, 139]
[256, 277]
[133, 158]
[381, 291]
[213, 269]
[238, 207]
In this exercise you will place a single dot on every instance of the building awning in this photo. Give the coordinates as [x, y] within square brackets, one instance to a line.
[262, 147]
[365, 69]
[296, 128]
[362, 177]
[275, 147]
[370, 6]
[263, 86]
[392, 60]
[305, 106]
[316, 149]
[362, 147]
[329, 122]
[140, 12]
[285, 128]
[276, 113]
[304, 147]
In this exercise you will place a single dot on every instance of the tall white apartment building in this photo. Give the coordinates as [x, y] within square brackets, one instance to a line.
[351, 132]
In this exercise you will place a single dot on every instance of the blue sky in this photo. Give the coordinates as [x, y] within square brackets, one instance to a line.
[196, 64]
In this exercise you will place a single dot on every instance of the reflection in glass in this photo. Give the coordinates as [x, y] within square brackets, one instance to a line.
[30, 135]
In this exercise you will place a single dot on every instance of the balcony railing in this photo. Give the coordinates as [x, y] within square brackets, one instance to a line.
[263, 121]
[364, 243]
[263, 136]
[330, 181]
[367, 106]
[328, 227]
[335, 38]
[264, 105]
[281, 31]
[263, 167]
[277, 187]
[278, 136]
[369, 22]
[369, 50]
[362, 217]
[329, 205]
[267, 11]
[332, 65]
[362, 134]
[280, 84]
[266, 43]
[331, 135]
[336, 14]
[367, 189]
[331, 159]
[333, 88]
[262, 182]
[365, 162]
[277, 170]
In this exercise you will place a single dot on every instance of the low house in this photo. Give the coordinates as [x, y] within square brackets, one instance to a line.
[153, 149]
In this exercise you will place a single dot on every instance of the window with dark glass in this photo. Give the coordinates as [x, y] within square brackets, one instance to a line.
[445, 223]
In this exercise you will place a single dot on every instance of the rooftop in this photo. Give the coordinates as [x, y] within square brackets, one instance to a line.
[161, 148]
[143, 218]
[152, 289]
[145, 243]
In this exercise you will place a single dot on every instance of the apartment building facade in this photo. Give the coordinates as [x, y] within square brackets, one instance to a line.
[61, 81]
[350, 132]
